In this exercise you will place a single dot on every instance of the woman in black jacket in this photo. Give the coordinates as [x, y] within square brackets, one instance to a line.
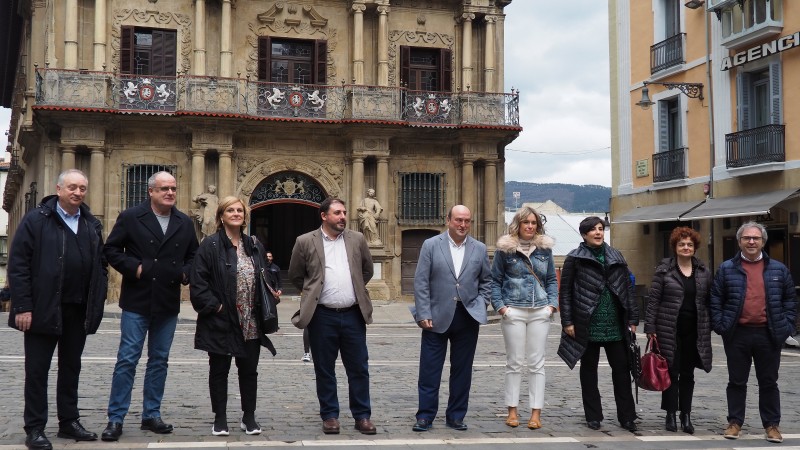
[224, 294]
[597, 311]
[678, 316]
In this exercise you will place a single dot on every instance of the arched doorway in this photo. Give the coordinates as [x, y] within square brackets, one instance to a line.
[284, 206]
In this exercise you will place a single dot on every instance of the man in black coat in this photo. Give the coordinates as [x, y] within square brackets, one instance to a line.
[152, 245]
[59, 280]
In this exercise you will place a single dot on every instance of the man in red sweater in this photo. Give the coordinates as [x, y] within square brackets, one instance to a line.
[753, 307]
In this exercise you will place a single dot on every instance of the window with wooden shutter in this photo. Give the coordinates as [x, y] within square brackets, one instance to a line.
[426, 69]
[295, 61]
[148, 51]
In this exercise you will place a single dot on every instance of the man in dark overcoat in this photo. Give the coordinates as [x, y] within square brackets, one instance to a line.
[152, 245]
[59, 280]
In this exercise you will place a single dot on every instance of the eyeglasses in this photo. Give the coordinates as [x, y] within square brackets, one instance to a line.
[751, 238]
[168, 188]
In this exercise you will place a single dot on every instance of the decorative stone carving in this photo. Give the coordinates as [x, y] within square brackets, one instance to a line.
[418, 38]
[369, 212]
[207, 211]
[328, 173]
[138, 17]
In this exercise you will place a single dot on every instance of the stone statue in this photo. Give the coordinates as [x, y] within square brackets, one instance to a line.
[368, 213]
[207, 202]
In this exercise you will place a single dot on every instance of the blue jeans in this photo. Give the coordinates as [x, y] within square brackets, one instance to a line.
[134, 328]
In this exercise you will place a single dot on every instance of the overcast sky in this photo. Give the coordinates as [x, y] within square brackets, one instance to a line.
[557, 56]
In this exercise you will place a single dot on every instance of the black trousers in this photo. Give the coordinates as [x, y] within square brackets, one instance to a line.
[616, 353]
[218, 368]
[39, 349]
[681, 372]
[753, 346]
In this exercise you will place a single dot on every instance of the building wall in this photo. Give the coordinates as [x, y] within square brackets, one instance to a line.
[643, 242]
[367, 137]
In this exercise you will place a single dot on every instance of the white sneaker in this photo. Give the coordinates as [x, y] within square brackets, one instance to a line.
[792, 342]
[306, 357]
[221, 432]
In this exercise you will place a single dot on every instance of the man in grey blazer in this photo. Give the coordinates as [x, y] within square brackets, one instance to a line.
[332, 266]
[451, 292]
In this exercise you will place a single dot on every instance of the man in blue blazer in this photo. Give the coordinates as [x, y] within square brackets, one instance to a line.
[451, 292]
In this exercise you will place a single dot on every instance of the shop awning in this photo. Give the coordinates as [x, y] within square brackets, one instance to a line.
[657, 213]
[747, 205]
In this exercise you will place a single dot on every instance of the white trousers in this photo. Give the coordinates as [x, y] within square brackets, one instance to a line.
[525, 335]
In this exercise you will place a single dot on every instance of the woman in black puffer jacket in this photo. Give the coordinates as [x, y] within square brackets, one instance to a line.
[597, 311]
[678, 316]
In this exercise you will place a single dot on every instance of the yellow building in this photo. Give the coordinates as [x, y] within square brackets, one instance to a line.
[282, 103]
[702, 116]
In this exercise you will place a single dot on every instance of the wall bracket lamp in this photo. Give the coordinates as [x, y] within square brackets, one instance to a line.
[694, 4]
[691, 90]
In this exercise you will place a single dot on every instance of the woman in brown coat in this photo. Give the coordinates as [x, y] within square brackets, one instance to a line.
[677, 314]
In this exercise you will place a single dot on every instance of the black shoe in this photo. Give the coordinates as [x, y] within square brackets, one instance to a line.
[686, 423]
[456, 425]
[629, 425]
[422, 425]
[593, 424]
[669, 422]
[37, 440]
[156, 425]
[74, 430]
[112, 432]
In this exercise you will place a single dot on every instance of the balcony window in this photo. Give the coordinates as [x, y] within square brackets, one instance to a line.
[422, 199]
[292, 61]
[426, 69]
[759, 97]
[134, 182]
[669, 125]
[148, 51]
[749, 21]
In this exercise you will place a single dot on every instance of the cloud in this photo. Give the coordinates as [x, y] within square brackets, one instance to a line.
[562, 73]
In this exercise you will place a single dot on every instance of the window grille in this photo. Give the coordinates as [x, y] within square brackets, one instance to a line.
[422, 199]
[134, 181]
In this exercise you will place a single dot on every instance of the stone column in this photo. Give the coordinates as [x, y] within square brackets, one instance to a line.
[357, 186]
[97, 182]
[489, 56]
[490, 202]
[466, 51]
[198, 183]
[225, 55]
[467, 183]
[100, 35]
[199, 39]
[71, 34]
[67, 157]
[382, 182]
[226, 175]
[38, 25]
[383, 47]
[358, 43]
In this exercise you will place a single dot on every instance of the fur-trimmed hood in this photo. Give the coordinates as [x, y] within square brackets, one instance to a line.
[509, 243]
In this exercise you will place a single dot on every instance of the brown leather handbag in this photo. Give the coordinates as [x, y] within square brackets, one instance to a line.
[655, 370]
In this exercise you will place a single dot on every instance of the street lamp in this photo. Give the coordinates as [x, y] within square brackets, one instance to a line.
[691, 90]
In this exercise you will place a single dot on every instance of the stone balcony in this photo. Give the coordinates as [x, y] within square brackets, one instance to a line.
[232, 97]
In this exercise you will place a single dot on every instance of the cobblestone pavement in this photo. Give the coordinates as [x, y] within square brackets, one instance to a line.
[288, 408]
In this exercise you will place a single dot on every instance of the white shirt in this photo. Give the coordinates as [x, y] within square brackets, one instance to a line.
[457, 252]
[337, 286]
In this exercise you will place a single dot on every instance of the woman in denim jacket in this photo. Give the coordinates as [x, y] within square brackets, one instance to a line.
[525, 294]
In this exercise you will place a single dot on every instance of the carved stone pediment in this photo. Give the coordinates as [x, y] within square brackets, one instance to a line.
[292, 15]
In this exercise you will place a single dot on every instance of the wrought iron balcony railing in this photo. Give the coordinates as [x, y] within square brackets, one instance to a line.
[669, 165]
[756, 146]
[205, 95]
[667, 53]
